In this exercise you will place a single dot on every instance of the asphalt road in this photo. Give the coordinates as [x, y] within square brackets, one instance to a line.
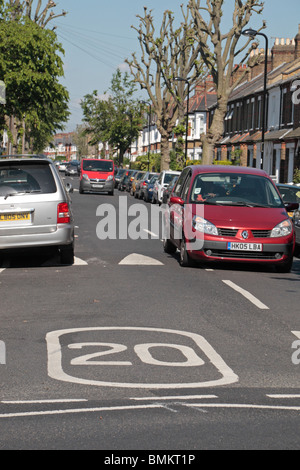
[128, 351]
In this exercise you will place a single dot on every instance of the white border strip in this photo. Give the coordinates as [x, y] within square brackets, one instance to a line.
[247, 295]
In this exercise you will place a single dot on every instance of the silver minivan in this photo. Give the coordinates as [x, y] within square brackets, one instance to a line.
[35, 207]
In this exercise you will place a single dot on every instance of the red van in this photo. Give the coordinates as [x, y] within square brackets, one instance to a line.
[97, 176]
[229, 214]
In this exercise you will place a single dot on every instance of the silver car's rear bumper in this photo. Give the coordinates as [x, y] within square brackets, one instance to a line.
[63, 235]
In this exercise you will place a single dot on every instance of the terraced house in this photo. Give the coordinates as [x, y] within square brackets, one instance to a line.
[243, 123]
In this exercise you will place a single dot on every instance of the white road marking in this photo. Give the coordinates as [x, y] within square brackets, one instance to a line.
[247, 295]
[152, 406]
[245, 406]
[183, 397]
[26, 402]
[283, 396]
[225, 374]
[296, 333]
[79, 410]
[1, 270]
[80, 262]
[139, 260]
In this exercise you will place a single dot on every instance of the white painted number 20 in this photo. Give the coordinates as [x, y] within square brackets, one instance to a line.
[142, 351]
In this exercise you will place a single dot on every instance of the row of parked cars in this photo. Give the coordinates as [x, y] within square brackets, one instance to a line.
[149, 186]
[223, 214]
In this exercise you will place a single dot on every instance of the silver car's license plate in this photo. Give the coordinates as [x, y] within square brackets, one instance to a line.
[239, 246]
[98, 186]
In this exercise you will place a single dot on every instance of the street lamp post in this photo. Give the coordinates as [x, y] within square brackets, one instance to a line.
[252, 33]
[149, 131]
[179, 79]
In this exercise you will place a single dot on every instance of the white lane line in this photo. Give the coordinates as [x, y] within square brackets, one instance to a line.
[1, 270]
[30, 402]
[183, 397]
[247, 295]
[79, 410]
[283, 396]
[245, 406]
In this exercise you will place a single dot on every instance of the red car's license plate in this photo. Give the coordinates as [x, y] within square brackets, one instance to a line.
[239, 246]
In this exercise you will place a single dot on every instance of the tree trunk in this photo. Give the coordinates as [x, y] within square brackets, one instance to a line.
[165, 152]
[214, 133]
[207, 151]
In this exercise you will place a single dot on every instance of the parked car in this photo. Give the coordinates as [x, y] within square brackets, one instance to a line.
[296, 219]
[136, 182]
[168, 190]
[72, 168]
[131, 179]
[289, 193]
[35, 207]
[62, 166]
[161, 183]
[121, 172]
[97, 175]
[231, 214]
[148, 191]
[143, 184]
[124, 182]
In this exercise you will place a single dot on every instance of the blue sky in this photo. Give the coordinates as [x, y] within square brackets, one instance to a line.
[97, 37]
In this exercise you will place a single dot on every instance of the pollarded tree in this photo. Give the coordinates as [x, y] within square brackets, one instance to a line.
[169, 53]
[219, 52]
[41, 15]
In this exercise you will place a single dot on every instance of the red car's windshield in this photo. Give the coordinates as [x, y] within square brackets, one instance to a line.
[235, 189]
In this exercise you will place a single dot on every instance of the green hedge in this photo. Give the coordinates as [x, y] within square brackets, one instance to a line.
[222, 162]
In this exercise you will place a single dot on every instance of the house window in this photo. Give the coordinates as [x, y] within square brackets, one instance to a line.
[283, 107]
[259, 111]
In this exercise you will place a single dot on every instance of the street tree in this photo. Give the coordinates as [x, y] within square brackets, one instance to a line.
[40, 14]
[116, 117]
[31, 67]
[219, 52]
[168, 53]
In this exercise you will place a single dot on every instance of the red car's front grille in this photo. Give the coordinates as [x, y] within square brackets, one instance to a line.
[229, 232]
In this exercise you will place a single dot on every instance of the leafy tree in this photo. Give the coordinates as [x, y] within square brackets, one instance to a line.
[219, 51]
[117, 118]
[31, 66]
[81, 141]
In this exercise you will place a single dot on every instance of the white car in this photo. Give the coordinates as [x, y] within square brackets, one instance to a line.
[161, 183]
[62, 166]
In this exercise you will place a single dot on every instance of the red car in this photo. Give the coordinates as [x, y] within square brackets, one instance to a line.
[229, 214]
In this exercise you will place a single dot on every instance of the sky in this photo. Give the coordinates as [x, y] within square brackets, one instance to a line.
[97, 38]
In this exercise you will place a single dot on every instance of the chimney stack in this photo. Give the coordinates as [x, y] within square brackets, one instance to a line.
[297, 44]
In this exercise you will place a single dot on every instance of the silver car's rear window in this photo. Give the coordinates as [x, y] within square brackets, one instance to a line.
[21, 177]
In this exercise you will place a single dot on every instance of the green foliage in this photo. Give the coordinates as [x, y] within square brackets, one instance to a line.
[296, 179]
[193, 162]
[31, 67]
[141, 162]
[116, 119]
[222, 162]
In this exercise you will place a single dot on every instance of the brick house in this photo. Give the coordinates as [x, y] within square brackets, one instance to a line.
[243, 122]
